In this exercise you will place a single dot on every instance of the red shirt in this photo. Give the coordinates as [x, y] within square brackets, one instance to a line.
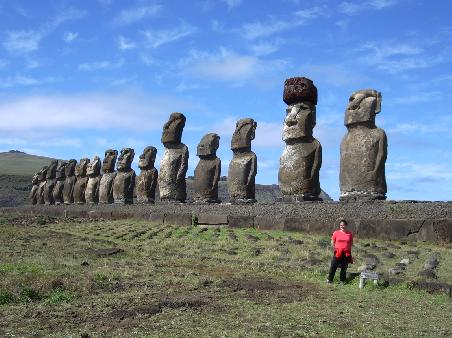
[342, 240]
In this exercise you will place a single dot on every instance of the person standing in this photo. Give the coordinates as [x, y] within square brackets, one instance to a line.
[341, 241]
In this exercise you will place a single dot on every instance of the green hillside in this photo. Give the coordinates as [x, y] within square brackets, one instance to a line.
[21, 164]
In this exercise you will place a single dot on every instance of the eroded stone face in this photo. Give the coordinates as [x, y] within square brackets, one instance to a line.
[107, 179]
[243, 166]
[174, 164]
[147, 180]
[69, 182]
[92, 187]
[81, 181]
[50, 182]
[363, 149]
[124, 181]
[208, 170]
[59, 185]
[300, 162]
[172, 130]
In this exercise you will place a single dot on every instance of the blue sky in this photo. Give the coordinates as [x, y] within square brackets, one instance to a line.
[79, 77]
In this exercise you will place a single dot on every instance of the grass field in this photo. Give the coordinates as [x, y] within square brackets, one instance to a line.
[21, 164]
[132, 278]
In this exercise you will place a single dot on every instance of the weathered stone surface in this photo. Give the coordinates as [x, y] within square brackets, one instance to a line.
[59, 185]
[108, 177]
[208, 170]
[92, 187]
[50, 182]
[157, 218]
[37, 189]
[178, 219]
[174, 164]
[269, 223]
[212, 219]
[147, 180]
[81, 181]
[300, 162]
[69, 182]
[124, 182]
[307, 225]
[363, 149]
[243, 166]
[236, 221]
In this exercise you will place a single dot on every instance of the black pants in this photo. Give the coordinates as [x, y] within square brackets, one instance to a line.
[341, 262]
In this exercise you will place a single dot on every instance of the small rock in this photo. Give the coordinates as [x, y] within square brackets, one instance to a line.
[431, 264]
[203, 230]
[428, 273]
[296, 241]
[389, 254]
[363, 268]
[401, 266]
[257, 252]
[371, 260]
[405, 261]
[413, 253]
[395, 271]
[251, 238]
[393, 246]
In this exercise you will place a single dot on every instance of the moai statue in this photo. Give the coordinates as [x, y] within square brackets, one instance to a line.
[208, 170]
[69, 182]
[300, 162]
[147, 180]
[243, 166]
[174, 164]
[35, 193]
[92, 187]
[124, 182]
[81, 181]
[363, 149]
[42, 184]
[50, 182]
[59, 185]
[108, 177]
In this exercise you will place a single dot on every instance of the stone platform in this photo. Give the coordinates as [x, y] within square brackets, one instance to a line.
[387, 220]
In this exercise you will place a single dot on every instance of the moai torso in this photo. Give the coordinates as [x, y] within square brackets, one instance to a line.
[50, 183]
[300, 162]
[34, 189]
[69, 182]
[146, 182]
[174, 164]
[108, 177]
[124, 182]
[92, 187]
[363, 150]
[59, 185]
[81, 181]
[243, 166]
[208, 170]
[37, 189]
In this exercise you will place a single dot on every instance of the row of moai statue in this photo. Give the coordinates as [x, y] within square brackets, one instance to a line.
[362, 165]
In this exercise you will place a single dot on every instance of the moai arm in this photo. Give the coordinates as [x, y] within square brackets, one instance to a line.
[154, 178]
[217, 173]
[317, 161]
[253, 169]
[381, 155]
[183, 167]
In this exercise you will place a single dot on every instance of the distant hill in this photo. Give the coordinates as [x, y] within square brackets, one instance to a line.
[15, 162]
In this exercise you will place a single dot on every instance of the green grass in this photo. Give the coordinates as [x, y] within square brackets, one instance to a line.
[21, 164]
[195, 281]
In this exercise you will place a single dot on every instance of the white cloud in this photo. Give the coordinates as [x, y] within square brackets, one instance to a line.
[353, 8]
[100, 65]
[125, 44]
[156, 38]
[132, 15]
[232, 3]
[419, 97]
[418, 171]
[70, 36]
[22, 80]
[182, 87]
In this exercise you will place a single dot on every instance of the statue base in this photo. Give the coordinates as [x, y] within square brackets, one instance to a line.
[242, 200]
[299, 198]
[355, 196]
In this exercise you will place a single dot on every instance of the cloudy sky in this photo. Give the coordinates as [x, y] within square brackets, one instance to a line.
[79, 77]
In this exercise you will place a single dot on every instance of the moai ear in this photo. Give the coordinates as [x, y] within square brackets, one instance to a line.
[378, 107]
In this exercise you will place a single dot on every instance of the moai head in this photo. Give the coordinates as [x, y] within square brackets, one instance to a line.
[80, 168]
[208, 145]
[41, 174]
[147, 158]
[362, 107]
[35, 179]
[125, 159]
[70, 167]
[51, 170]
[93, 168]
[172, 130]
[108, 164]
[300, 95]
[244, 132]
[61, 170]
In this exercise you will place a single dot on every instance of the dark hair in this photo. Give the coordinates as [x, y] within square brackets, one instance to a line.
[343, 221]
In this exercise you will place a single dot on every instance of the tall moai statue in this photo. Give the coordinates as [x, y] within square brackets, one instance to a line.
[92, 187]
[50, 182]
[108, 177]
[147, 180]
[363, 149]
[69, 182]
[300, 162]
[36, 190]
[81, 181]
[174, 164]
[208, 170]
[243, 166]
[124, 182]
[59, 185]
